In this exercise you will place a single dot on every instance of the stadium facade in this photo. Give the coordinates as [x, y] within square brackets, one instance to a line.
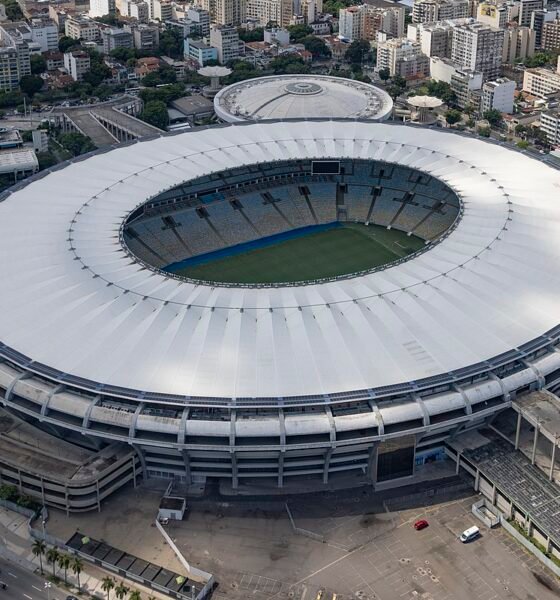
[363, 375]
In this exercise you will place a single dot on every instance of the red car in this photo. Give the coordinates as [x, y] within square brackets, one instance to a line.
[422, 524]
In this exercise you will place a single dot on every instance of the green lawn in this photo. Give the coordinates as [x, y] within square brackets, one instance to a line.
[339, 251]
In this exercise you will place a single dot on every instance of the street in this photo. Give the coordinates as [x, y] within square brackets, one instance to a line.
[23, 584]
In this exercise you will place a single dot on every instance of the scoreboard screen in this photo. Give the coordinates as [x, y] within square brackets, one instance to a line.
[325, 167]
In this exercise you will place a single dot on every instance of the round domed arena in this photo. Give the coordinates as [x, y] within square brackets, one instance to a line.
[288, 303]
[301, 97]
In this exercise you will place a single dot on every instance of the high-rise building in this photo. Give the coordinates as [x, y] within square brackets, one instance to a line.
[402, 57]
[145, 37]
[434, 38]
[226, 41]
[429, 11]
[519, 43]
[550, 124]
[100, 8]
[526, 9]
[135, 9]
[226, 12]
[478, 47]
[114, 38]
[45, 33]
[198, 21]
[77, 64]
[551, 35]
[82, 28]
[491, 14]
[14, 56]
[162, 10]
[270, 11]
[498, 95]
[366, 21]
[541, 82]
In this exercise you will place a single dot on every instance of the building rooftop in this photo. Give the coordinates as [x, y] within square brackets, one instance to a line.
[193, 105]
[301, 96]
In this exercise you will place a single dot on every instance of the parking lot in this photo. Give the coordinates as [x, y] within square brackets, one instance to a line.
[369, 551]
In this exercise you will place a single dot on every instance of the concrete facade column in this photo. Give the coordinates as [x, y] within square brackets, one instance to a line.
[372, 463]
[535, 439]
[477, 481]
[551, 473]
[518, 430]
[457, 463]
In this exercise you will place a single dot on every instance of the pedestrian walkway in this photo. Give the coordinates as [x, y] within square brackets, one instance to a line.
[15, 546]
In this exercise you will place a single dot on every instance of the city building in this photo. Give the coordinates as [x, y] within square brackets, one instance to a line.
[526, 9]
[402, 57]
[491, 14]
[59, 15]
[82, 28]
[551, 35]
[54, 59]
[435, 39]
[227, 43]
[145, 37]
[44, 32]
[270, 11]
[77, 64]
[498, 95]
[365, 21]
[162, 10]
[198, 21]
[429, 11]
[199, 52]
[276, 35]
[100, 8]
[226, 12]
[550, 124]
[135, 9]
[465, 83]
[114, 38]
[541, 82]
[519, 43]
[478, 47]
[14, 57]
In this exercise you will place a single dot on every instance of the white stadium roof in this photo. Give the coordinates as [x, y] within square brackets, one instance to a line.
[73, 298]
[301, 97]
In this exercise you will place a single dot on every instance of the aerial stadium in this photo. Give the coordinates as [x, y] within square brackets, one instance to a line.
[277, 304]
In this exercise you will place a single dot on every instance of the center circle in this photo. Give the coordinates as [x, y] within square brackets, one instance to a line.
[291, 222]
[304, 88]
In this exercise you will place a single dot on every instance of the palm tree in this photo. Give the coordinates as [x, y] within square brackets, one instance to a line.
[52, 556]
[38, 549]
[107, 584]
[77, 566]
[135, 595]
[64, 563]
[121, 591]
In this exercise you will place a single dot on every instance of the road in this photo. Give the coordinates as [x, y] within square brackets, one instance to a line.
[24, 585]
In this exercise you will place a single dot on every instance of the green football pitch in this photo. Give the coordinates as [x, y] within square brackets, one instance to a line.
[328, 253]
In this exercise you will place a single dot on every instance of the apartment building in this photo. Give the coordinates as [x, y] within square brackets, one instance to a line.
[114, 38]
[491, 14]
[100, 8]
[519, 43]
[77, 64]
[144, 37]
[429, 11]
[82, 28]
[227, 43]
[550, 124]
[270, 11]
[226, 12]
[135, 9]
[402, 57]
[498, 95]
[14, 57]
[541, 82]
[478, 47]
[44, 32]
[551, 35]
[199, 52]
[366, 21]
[526, 9]
[435, 39]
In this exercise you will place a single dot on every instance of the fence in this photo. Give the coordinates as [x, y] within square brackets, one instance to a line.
[300, 531]
[22, 510]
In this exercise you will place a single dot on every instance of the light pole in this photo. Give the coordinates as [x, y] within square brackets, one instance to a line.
[48, 586]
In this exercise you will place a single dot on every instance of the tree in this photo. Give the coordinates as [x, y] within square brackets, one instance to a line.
[38, 549]
[76, 143]
[521, 130]
[522, 144]
[13, 10]
[77, 567]
[253, 35]
[357, 52]
[441, 90]
[38, 64]
[399, 81]
[484, 131]
[164, 75]
[288, 63]
[155, 113]
[171, 43]
[30, 84]
[107, 584]
[64, 563]
[65, 43]
[298, 32]
[315, 45]
[493, 116]
[52, 557]
[384, 74]
[538, 59]
[121, 591]
[135, 595]
[453, 116]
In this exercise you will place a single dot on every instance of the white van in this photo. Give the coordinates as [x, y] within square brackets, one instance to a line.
[469, 534]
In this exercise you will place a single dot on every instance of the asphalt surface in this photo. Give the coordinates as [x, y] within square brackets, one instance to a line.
[23, 585]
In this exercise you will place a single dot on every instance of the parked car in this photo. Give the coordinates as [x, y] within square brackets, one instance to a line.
[469, 534]
[421, 524]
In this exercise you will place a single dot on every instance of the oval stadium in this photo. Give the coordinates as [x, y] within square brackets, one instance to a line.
[278, 304]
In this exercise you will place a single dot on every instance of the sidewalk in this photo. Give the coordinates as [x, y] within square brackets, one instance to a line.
[15, 545]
